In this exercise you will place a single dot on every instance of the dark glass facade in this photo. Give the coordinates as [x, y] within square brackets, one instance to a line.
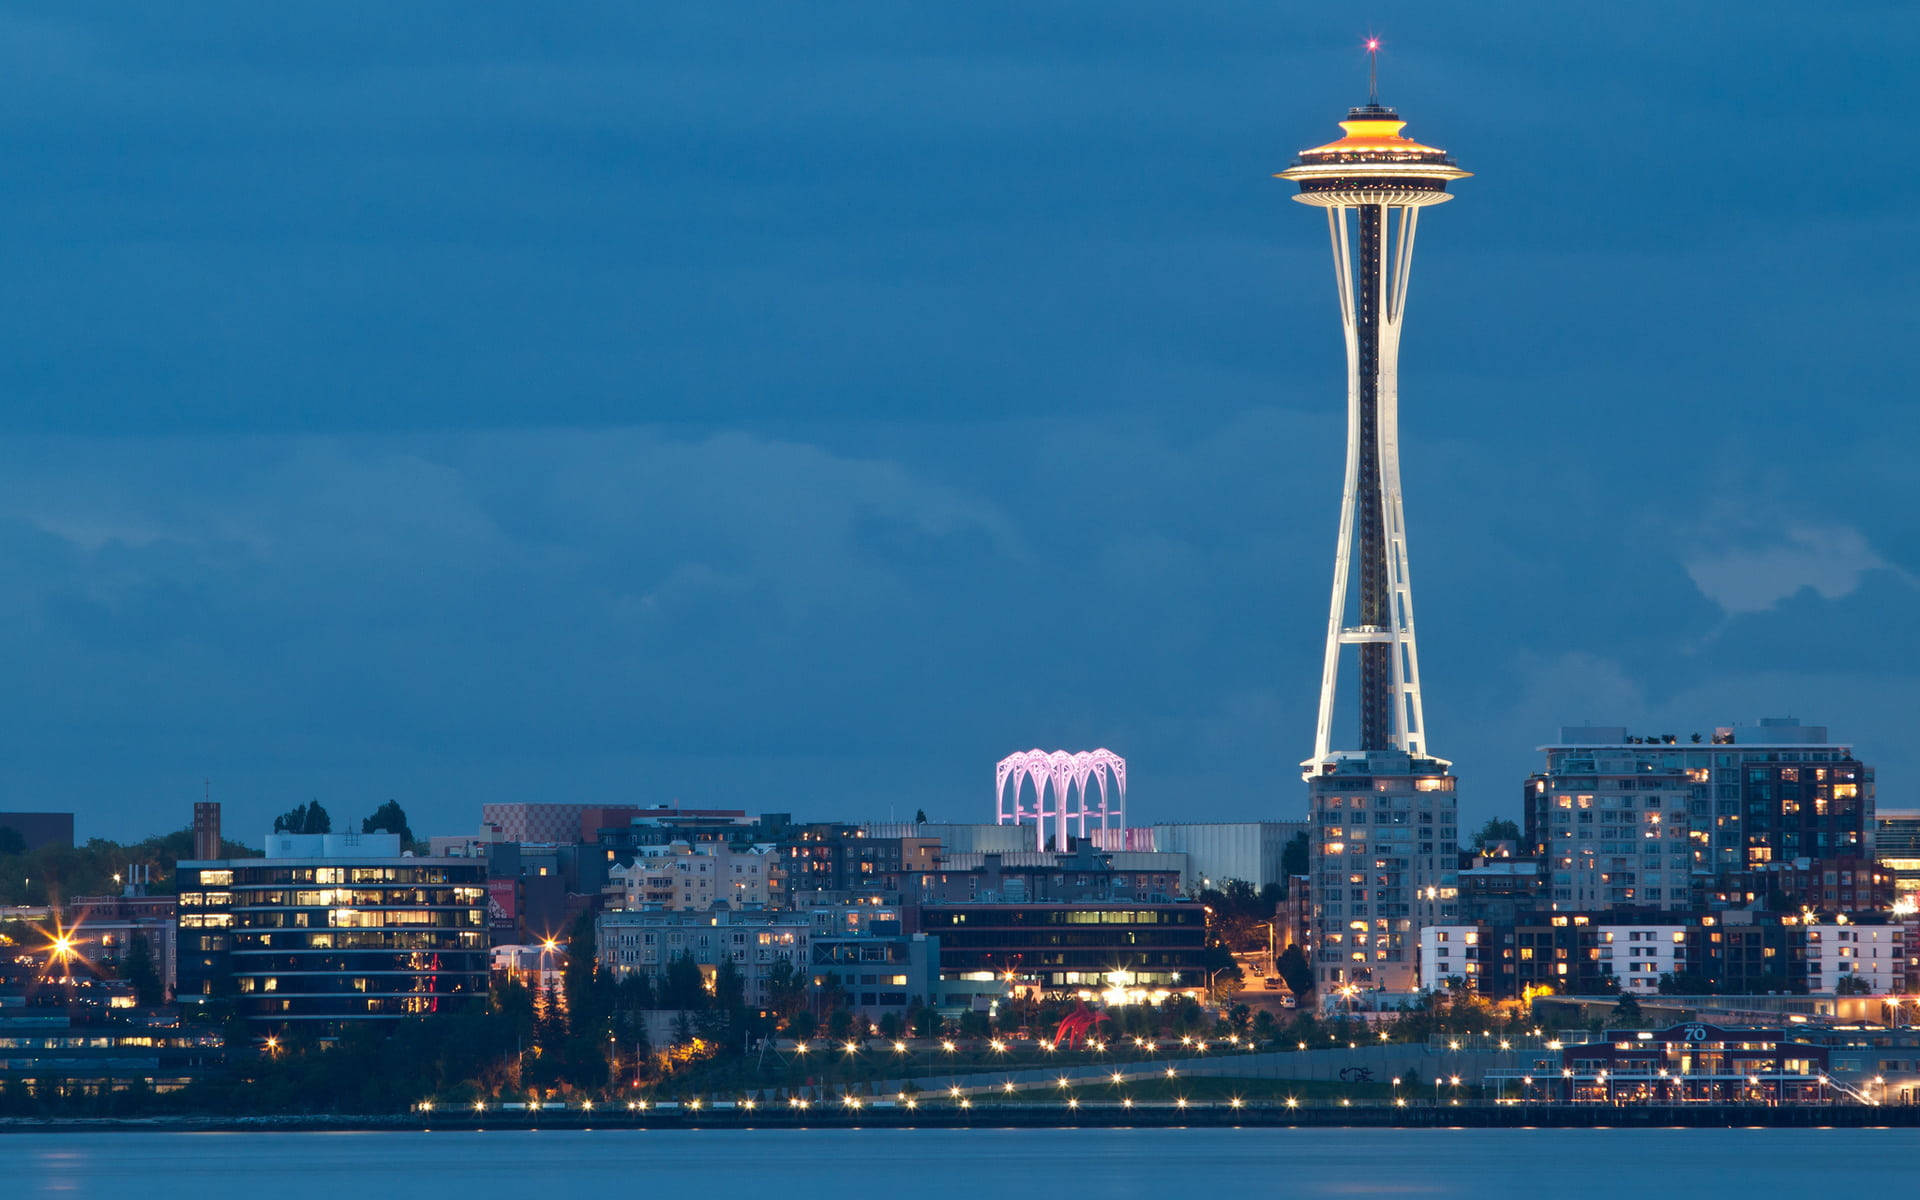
[334, 940]
[1072, 945]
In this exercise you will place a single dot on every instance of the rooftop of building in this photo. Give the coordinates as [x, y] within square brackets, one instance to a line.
[1768, 733]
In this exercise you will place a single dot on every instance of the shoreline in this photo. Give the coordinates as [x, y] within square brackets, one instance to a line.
[1537, 1116]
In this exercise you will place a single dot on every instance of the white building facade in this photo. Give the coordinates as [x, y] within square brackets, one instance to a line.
[689, 877]
[1638, 955]
[1874, 956]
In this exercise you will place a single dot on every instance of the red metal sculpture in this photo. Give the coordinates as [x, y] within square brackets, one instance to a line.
[1077, 1026]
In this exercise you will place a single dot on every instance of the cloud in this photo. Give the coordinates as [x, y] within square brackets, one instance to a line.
[1828, 559]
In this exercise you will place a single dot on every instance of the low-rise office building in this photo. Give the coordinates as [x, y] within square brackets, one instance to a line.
[1694, 1062]
[329, 929]
[1062, 948]
[108, 925]
[42, 1049]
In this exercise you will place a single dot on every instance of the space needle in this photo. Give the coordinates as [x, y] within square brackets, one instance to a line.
[1383, 816]
[1373, 182]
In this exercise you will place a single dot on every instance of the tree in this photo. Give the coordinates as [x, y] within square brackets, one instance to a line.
[786, 989]
[137, 969]
[1293, 857]
[307, 818]
[1852, 985]
[587, 1004]
[389, 818]
[684, 985]
[11, 842]
[919, 816]
[1497, 829]
[1296, 970]
[1627, 1011]
[1224, 976]
[926, 1022]
[1687, 983]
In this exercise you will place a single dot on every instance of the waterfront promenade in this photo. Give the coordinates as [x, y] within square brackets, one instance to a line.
[1362, 1063]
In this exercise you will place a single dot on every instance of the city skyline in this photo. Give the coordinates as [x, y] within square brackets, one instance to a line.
[509, 418]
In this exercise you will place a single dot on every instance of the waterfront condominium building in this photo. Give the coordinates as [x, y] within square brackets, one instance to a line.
[861, 953]
[1385, 860]
[754, 941]
[1611, 829]
[1772, 792]
[1561, 954]
[1872, 957]
[333, 928]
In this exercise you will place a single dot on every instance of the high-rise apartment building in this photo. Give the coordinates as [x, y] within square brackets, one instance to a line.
[1385, 863]
[1897, 847]
[1774, 792]
[1611, 829]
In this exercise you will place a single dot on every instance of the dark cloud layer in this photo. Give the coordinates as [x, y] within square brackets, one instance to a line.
[804, 405]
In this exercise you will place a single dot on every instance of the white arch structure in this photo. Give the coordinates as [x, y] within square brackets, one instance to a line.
[1060, 791]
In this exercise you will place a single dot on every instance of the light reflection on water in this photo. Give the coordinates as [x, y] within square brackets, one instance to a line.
[956, 1164]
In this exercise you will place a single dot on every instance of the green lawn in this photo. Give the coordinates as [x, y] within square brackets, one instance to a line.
[833, 1068]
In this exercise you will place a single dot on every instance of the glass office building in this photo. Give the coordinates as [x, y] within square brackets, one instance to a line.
[331, 929]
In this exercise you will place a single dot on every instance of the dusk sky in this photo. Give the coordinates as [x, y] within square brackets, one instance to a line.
[801, 406]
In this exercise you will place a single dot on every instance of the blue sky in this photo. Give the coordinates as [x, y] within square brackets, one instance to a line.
[802, 406]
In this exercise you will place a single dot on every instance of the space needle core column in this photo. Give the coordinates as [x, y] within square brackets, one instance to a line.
[1373, 183]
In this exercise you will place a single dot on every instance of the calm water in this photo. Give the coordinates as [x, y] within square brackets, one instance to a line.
[977, 1164]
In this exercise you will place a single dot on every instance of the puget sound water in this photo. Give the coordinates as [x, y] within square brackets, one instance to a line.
[963, 1164]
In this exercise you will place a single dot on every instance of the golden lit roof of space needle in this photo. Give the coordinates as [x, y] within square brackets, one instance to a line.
[1372, 163]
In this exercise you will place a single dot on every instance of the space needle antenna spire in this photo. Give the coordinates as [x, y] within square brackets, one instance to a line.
[1373, 71]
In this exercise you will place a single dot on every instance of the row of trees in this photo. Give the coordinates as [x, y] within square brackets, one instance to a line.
[56, 874]
[313, 817]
